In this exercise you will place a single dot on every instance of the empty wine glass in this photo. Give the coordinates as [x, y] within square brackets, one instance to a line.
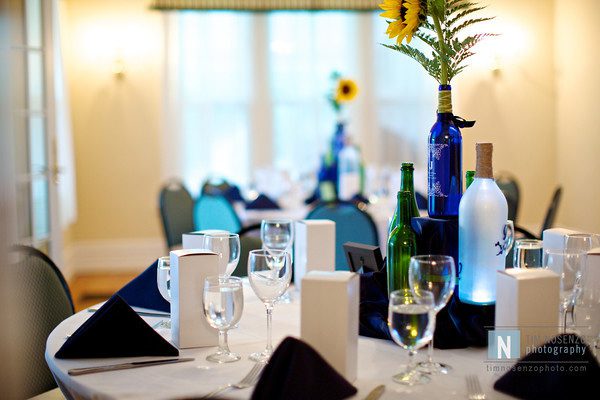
[227, 246]
[581, 242]
[528, 253]
[411, 322]
[163, 280]
[278, 234]
[433, 275]
[570, 267]
[269, 273]
[223, 301]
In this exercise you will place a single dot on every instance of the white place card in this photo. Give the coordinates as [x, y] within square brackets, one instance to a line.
[554, 238]
[329, 318]
[189, 327]
[527, 300]
[314, 247]
[195, 240]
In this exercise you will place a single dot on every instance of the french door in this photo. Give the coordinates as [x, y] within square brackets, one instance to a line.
[33, 136]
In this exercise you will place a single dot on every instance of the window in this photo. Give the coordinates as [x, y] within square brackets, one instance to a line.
[251, 92]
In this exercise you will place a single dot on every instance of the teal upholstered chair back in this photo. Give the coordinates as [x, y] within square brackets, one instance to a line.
[39, 288]
[215, 212]
[351, 225]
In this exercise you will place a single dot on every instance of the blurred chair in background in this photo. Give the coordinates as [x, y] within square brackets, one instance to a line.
[249, 240]
[351, 225]
[43, 292]
[548, 219]
[176, 211]
[215, 212]
[510, 188]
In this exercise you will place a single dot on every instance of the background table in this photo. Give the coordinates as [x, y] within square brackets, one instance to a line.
[378, 360]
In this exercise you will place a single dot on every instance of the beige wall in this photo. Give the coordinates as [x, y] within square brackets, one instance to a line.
[116, 122]
[514, 105]
[578, 117]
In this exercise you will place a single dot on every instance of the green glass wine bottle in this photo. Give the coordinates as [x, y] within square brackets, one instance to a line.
[406, 185]
[469, 176]
[401, 245]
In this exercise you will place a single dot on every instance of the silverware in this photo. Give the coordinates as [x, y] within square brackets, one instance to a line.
[376, 393]
[141, 313]
[129, 365]
[474, 391]
[248, 381]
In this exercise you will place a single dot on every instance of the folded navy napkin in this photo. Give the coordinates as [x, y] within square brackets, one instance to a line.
[233, 194]
[143, 292]
[115, 330]
[421, 201]
[296, 371]
[458, 325]
[563, 368]
[262, 202]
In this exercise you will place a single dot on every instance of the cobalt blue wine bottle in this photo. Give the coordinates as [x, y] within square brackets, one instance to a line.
[445, 160]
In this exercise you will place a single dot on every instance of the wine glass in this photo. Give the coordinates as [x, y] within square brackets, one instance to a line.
[278, 234]
[227, 246]
[581, 242]
[528, 253]
[411, 322]
[223, 300]
[269, 273]
[163, 280]
[569, 266]
[435, 275]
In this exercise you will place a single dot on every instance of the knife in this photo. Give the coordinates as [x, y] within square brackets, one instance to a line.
[129, 365]
[376, 393]
[141, 313]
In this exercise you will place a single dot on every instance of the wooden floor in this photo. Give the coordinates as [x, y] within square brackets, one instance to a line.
[91, 289]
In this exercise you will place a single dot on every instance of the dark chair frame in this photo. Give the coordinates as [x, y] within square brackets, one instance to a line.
[548, 219]
[33, 252]
[163, 213]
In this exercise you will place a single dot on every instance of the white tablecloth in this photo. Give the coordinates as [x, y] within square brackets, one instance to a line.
[378, 360]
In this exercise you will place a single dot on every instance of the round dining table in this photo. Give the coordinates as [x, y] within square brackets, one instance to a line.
[378, 361]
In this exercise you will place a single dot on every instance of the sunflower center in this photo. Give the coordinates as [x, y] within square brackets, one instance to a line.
[403, 11]
[345, 89]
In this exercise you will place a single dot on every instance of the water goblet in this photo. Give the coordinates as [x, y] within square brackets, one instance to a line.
[570, 267]
[528, 253]
[223, 301]
[278, 234]
[435, 275]
[163, 281]
[269, 273]
[411, 322]
[227, 246]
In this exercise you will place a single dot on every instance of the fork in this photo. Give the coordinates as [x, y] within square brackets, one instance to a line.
[474, 388]
[248, 381]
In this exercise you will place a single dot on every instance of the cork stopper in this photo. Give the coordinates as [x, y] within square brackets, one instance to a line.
[484, 161]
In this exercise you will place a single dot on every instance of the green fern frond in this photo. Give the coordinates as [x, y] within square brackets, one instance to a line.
[457, 6]
[431, 65]
[451, 33]
[450, 23]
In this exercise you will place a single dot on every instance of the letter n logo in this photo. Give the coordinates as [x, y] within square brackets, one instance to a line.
[504, 344]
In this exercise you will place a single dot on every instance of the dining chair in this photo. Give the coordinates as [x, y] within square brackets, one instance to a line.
[249, 240]
[351, 225]
[176, 211]
[215, 212]
[41, 290]
[549, 218]
[510, 188]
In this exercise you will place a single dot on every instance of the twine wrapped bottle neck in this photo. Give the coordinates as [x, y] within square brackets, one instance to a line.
[445, 101]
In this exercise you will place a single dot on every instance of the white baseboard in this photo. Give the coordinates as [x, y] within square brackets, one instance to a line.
[112, 255]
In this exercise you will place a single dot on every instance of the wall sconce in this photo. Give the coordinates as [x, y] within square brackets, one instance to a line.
[118, 68]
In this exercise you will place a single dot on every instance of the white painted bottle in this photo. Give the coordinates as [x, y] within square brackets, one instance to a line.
[484, 234]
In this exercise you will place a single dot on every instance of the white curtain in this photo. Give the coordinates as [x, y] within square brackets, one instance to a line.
[246, 91]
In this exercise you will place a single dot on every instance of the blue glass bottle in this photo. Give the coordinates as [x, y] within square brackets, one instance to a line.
[445, 161]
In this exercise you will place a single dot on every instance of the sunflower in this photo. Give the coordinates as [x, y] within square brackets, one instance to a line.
[406, 16]
[346, 91]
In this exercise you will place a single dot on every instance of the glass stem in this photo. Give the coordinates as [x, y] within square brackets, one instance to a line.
[411, 361]
[223, 345]
[430, 351]
[269, 308]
